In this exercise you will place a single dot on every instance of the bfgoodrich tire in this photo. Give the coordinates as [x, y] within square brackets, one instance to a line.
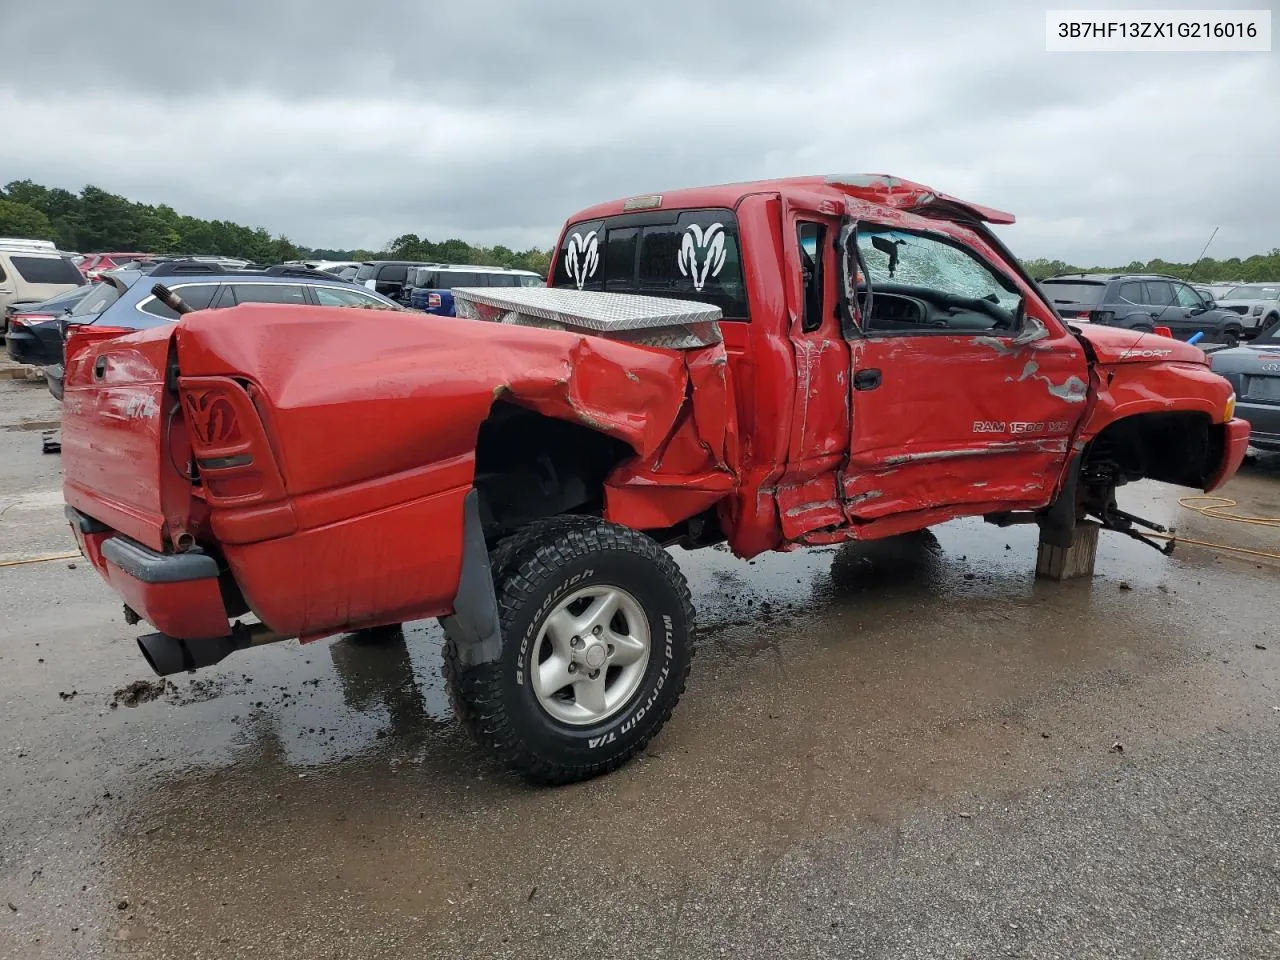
[597, 629]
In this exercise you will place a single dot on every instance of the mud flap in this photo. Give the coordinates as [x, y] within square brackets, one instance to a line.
[1058, 522]
[473, 626]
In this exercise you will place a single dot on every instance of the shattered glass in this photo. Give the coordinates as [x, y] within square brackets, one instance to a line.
[925, 262]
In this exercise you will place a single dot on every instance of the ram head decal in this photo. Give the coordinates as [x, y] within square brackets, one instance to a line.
[581, 257]
[701, 254]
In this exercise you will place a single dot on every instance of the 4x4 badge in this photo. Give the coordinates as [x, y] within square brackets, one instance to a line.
[709, 246]
[582, 257]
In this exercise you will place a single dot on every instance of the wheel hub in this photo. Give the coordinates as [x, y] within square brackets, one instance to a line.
[591, 655]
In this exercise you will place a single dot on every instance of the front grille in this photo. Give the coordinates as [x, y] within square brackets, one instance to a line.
[1266, 389]
[1239, 309]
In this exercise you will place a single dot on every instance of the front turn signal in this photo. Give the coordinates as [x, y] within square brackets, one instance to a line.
[1229, 411]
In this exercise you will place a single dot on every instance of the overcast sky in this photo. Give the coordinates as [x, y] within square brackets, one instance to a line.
[346, 124]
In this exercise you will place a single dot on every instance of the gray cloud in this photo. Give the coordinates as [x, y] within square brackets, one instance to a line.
[494, 120]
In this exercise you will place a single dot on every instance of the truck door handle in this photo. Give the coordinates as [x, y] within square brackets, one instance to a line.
[99, 367]
[866, 379]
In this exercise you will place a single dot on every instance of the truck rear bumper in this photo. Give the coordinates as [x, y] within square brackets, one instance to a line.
[1235, 444]
[178, 593]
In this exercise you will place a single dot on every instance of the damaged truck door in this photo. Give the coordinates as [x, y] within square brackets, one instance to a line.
[965, 389]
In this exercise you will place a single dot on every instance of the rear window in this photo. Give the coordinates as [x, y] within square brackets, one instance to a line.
[1073, 291]
[394, 273]
[98, 299]
[366, 272]
[237, 293]
[196, 296]
[532, 281]
[47, 270]
[684, 254]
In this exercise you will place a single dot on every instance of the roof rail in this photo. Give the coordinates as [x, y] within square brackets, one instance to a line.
[172, 268]
[287, 270]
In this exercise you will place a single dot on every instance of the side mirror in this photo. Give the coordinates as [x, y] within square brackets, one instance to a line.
[1032, 330]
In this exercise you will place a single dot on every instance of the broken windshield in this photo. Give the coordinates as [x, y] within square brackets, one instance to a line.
[898, 258]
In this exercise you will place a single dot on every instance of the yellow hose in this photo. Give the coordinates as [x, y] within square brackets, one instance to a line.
[1215, 509]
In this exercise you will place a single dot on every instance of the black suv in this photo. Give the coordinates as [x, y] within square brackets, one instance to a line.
[386, 277]
[1142, 302]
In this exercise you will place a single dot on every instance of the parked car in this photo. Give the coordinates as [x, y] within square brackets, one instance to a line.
[386, 277]
[693, 376]
[34, 312]
[1254, 370]
[430, 287]
[1142, 302]
[32, 272]
[343, 269]
[27, 327]
[1257, 303]
[123, 302]
[95, 263]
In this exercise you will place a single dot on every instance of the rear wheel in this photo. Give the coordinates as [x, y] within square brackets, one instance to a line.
[1269, 324]
[597, 629]
[1231, 337]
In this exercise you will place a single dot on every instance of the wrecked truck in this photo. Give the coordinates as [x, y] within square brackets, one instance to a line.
[766, 365]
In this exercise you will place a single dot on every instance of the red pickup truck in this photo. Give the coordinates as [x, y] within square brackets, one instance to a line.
[771, 365]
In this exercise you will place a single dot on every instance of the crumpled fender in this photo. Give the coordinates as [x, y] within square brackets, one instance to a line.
[354, 395]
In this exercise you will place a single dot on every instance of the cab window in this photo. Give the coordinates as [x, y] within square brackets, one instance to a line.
[922, 283]
[683, 254]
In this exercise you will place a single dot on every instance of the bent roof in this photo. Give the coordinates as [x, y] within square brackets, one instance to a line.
[876, 188]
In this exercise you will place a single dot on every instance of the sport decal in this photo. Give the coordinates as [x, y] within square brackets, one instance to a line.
[582, 257]
[706, 247]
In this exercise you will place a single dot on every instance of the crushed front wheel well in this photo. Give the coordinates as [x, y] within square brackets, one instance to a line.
[530, 466]
[1178, 447]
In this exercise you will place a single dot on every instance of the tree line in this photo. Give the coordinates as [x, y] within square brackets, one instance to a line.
[95, 220]
[1257, 268]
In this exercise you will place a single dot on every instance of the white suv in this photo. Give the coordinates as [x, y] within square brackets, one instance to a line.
[32, 271]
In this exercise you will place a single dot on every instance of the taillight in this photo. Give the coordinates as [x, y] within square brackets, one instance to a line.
[1163, 332]
[229, 443]
[20, 321]
[1101, 316]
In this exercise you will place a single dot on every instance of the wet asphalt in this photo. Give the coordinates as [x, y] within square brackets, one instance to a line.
[910, 749]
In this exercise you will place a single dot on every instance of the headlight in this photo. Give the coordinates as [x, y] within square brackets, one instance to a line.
[1229, 411]
[1257, 309]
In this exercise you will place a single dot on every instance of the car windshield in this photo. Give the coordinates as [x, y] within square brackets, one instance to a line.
[1073, 291]
[1254, 293]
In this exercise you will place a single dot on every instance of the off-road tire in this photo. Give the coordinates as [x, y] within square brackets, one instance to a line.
[532, 570]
